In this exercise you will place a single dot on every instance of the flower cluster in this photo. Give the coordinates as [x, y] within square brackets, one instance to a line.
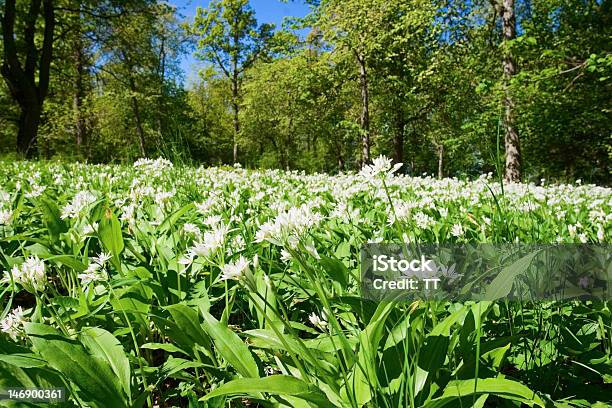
[96, 271]
[30, 275]
[12, 324]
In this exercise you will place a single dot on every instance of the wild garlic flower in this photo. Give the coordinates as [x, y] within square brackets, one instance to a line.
[30, 275]
[381, 167]
[192, 229]
[457, 230]
[12, 324]
[318, 322]
[448, 272]
[96, 271]
[423, 221]
[210, 243]
[293, 222]
[310, 248]
[5, 217]
[235, 270]
[81, 200]
[89, 229]
[35, 190]
[601, 233]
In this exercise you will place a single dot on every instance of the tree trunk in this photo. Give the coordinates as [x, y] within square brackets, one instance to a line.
[365, 111]
[440, 161]
[398, 138]
[235, 109]
[511, 139]
[135, 104]
[235, 94]
[29, 119]
[139, 128]
[22, 79]
[162, 87]
[79, 96]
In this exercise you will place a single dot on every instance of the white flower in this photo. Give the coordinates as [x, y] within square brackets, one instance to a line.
[102, 258]
[80, 201]
[163, 196]
[312, 251]
[213, 220]
[234, 270]
[187, 259]
[285, 256]
[193, 229]
[95, 272]
[380, 167]
[423, 221]
[5, 217]
[211, 242]
[12, 324]
[448, 272]
[601, 233]
[31, 275]
[35, 191]
[582, 237]
[457, 230]
[293, 222]
[92, 274]
[89, 229]
[318, 322]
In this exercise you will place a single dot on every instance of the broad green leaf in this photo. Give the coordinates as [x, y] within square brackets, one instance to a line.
[500, 387]
[23, 360]
[363, 379]
[443, 328]
[91, 374]
[188, 322]
[101, 343]
[231, 347]
[51, 217]
[109, 232]
[276, 385]
[501, 285]
[170, 348]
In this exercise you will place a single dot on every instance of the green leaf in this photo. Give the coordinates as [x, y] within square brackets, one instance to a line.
[363, 379]
[92, 375]
[109, 232]
[282, 385]
[170, 348]
[443, 328]
[500, 387]
[231, 347]
[433, 353]
[23, 360]
[51, 217]
[188, 322]
[101, 343]
[502, 284]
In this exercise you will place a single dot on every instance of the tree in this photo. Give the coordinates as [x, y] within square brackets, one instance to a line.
[231, 39]
[505, 9]
[353, 27]
[25, 68]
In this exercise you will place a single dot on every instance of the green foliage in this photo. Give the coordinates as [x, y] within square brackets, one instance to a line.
[224, 287]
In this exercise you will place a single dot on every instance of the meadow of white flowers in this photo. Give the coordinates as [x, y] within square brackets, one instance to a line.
[156, 284]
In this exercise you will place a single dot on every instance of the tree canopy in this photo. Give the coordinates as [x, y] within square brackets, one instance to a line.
[455, 88]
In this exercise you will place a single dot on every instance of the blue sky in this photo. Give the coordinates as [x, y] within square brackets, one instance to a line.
[266, 11]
